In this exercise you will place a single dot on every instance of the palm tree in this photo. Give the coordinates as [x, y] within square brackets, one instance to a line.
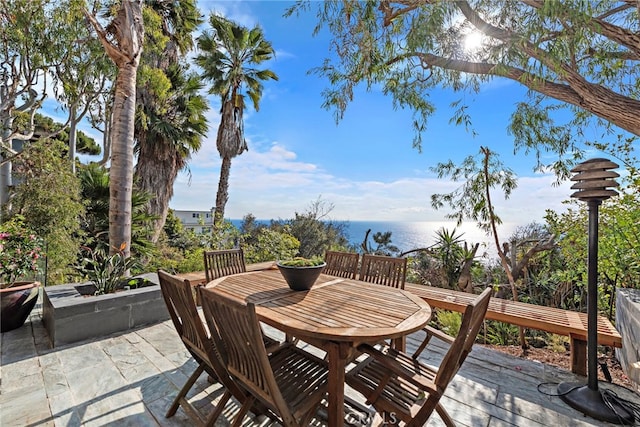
[170, 133]
[228, 54]
[170, 122]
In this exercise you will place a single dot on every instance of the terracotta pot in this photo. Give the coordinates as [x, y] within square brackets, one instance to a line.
[16, 302]
[301, 278]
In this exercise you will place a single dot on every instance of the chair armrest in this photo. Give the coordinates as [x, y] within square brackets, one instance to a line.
[439, 334]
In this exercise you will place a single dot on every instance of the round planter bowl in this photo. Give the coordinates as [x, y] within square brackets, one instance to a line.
[16, 302]
[301, 278]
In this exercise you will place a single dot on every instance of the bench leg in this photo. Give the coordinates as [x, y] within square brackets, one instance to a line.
[578, 356]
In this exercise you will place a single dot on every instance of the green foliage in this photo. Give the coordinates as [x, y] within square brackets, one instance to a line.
[618, 249]
[500, 333]
[570, 57]
[193, 261]
[106, 272]
[271, 244]
[302, 262]
[449, 250]
[46, 125]
[383, 244]
[170, 105]
[94, 181]
[228, 55]
[471, 200]
[20, 250]
[314, 230]
[48, 196]
[449, 321]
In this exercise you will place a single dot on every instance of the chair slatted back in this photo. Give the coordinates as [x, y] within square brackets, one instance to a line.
[246, 355]
[383, 270]
[223, 263]
[461, 347]
[178, 296]
[341, 264]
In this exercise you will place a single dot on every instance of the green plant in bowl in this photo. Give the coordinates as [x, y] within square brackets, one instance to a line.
[302, 262]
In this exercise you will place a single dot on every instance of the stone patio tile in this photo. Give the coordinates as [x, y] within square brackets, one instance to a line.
[25, 406]
[163, 336]
[139, 372]
[156, 387]
[21, 374]
[95, 382]
[158, 409]
[64, 410]
[82, 356]
[124, 354]
[121, 408]
[55, 380]
[154, 356]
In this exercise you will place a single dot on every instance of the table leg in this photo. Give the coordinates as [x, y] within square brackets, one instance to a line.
[400, 343]
[337, 364]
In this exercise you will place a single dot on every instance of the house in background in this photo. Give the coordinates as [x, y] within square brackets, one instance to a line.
[200, 222]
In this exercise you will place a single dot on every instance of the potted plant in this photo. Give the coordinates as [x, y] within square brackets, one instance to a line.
[106, 272]
[20, 250]
[301, 273]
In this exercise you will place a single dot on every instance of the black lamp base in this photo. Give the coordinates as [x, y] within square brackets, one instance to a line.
[591, 403]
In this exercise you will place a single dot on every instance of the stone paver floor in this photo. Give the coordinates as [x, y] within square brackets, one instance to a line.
[131, 379]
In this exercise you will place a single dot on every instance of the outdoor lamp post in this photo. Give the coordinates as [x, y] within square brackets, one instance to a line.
[594, 181]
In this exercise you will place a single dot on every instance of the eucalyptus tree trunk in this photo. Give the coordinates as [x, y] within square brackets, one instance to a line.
[128, 31]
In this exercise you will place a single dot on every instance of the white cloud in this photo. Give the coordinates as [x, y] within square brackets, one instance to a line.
[275, 184]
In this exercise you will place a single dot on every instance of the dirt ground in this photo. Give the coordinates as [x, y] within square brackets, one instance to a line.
[562, 360]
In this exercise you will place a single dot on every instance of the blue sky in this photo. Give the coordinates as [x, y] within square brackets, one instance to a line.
[364, 165]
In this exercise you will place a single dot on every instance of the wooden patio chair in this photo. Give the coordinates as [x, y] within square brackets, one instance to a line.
[401, 387]
[341, 264]
[290, 381]
[383, 270]
[223, 263]
[178, 297]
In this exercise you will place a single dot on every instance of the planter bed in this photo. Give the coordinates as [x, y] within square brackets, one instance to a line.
[69, 317]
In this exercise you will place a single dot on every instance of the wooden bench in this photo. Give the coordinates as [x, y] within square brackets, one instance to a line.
[554, 320]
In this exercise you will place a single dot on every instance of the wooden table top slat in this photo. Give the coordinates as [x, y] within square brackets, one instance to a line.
[338, 309]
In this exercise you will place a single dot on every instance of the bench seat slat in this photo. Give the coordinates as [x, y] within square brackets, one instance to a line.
[553, 320]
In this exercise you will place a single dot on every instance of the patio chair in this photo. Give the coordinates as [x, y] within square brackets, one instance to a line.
[178, 297]
[223, 263]
[341, 264]
[404, 389]
[383, 270]
[290, 381]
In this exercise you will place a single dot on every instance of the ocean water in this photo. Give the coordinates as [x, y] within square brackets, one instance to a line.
[422, 234]
[408, 235]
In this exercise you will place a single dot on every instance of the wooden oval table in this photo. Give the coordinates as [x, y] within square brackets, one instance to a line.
[337, 315]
